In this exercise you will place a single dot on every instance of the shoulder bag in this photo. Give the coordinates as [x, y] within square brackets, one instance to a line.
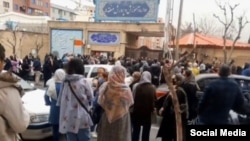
[79, 101]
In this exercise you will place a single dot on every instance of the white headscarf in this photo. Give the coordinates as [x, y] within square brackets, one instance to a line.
[59, 75]
[145, 78]
[57, 78]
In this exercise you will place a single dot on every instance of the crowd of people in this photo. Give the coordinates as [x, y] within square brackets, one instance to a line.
[113, 109]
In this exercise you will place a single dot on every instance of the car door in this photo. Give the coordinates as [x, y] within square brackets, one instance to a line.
[202, 84]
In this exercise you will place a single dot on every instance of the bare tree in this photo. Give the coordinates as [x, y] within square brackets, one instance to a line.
[241, 25]
[40, 39]
[186, 28]
[227, 22]
[168, 73]
[16, 39]
[207, 26]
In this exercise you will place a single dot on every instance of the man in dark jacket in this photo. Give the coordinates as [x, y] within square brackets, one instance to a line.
[37, 66]
[155, 72]
[219, 98]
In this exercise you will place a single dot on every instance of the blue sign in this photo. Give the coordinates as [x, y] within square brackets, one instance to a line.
[126, 10]
[62, 41]
[104, 38]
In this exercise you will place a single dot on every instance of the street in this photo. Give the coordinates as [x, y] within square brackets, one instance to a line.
[153, 134]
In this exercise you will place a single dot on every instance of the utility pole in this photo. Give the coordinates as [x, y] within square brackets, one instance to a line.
[168, 22]
[178, 31]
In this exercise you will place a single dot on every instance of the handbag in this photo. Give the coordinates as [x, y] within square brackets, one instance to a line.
[77, 98]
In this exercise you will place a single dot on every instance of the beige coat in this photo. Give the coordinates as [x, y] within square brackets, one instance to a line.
[14, 118]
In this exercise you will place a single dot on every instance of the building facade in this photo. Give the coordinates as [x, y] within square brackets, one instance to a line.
[86, 14]
[107, 38]
[32, 7]
[6, 6]
[151, 42]
[61, 13]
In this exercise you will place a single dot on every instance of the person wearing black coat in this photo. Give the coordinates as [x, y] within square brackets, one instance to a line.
[167, 130]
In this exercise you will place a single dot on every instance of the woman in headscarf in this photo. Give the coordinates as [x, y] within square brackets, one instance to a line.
[136, 78]
[144, 98]
[167, 130]
[115, 98]
[54, 86]
[75, 120]
[190, 86]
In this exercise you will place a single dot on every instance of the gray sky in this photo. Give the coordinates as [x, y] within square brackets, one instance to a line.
[206, 8]
[201, 8]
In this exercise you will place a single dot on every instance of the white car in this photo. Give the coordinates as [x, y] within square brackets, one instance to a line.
[91, 72]
[33, 99]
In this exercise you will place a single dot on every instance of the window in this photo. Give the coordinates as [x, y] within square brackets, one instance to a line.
[244, 85]
[39, 2]
[60, 12]
[47, 5]
[6, 4]
[38, 12]
[64, 13]
[203, 83]
[33, 1]
[94, 72]
[30, 11]
[46, 14]
[16, 7]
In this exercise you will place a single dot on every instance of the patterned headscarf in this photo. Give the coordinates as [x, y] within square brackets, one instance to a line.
[115, 96]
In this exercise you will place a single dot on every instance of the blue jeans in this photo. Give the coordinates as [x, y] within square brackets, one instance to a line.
[82, 135]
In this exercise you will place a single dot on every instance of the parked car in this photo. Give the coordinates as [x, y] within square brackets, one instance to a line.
[33, 100]
[204, 80]
[91, 72]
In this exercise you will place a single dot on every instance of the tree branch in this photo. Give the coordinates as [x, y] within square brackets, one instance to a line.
[12, 45]
[241, 26]
[184, 57]
[218, 18]
[226, 24]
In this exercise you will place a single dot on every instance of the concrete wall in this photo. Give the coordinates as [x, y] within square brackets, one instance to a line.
[240, 55]
[27, 44]
[21, 18]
